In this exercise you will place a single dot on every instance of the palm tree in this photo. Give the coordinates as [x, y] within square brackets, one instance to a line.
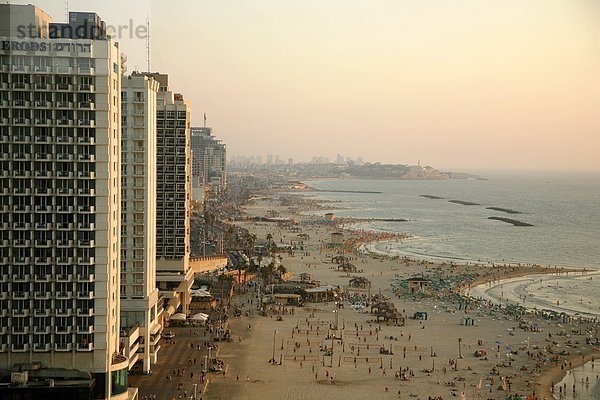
[281, 270]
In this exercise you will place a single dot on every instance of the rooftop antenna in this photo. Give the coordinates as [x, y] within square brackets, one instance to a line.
[148, 43]
[67, 11]
[205, 120]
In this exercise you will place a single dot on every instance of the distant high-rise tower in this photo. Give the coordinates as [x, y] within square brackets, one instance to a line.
[209, 159]
[60, 190]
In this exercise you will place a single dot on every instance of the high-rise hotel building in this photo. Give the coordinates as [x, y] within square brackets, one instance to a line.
[140, 329]
[209, 159]
[174, 275]
[60, 196]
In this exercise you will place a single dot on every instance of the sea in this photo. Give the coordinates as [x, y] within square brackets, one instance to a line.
[563, 209]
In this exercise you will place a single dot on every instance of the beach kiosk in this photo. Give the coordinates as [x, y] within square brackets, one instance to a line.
[337, 238]
[360, 282]
[329, 216]
[322, 293]
[418, 285]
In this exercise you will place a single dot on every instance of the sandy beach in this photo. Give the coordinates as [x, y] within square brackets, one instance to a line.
[429, 358]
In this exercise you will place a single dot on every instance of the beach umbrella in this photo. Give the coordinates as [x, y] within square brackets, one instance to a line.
[178, 317]
[200, 317]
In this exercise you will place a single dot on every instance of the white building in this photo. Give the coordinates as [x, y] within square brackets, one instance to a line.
[60, 200]
[174, 275]
[140, 328]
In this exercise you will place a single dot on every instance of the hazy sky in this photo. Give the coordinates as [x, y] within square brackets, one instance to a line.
[453, 83]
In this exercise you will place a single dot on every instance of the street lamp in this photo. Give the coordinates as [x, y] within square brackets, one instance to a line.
[336, 319]
[195, 391]
[273, 357]
[459, 348]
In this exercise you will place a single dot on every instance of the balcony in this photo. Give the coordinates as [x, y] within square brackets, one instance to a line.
[20, 329]
[20, 348]
[64, 122]
[20, 85]
[63, 86]
[89, 295]
[87, 209]
[41, 86]
[64, 278]
[86, 192]
[64, 139]
[65, 260]
[42, 330]
[63, 225]
[85, 313]
[21, 260]
[40, 347]
[41, 295]
[63, 313]
[86, 140]
[64, 243]
[87, 122]
[43, 225]
[43, 139]
[86, 227]
[43, 208]
[41, 278]
[64, 104]
[20, 156]
[64, 157]
[20, 278]
[85, 346]
[86, 260]
[43, 260]
[86, 88]
[43, 121]
[42, 157]
[87, 104]
[20, 121]
[22, 190]
[20, 103]
[42, 173]
[86, 243]
[63, 346]
[85, 329]
[43, 243]
[20, 313]
[64, 209]
[22, 208]
[21, 226]
[87, 157]
[41, 313]
[87, 174]
[64, 191]
[4, 278]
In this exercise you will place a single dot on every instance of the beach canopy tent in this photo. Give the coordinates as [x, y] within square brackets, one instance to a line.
[200, 293]
[200, 317]
[178, 317]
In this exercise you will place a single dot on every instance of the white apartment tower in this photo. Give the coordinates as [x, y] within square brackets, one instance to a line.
[140, 330]
[174, 275]
[60, 196]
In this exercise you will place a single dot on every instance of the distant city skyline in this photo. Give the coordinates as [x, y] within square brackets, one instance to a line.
[461, 84]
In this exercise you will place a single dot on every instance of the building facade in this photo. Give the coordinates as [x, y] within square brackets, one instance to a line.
[140, 329]
[174, 275]
[209, 160]
[60, 200]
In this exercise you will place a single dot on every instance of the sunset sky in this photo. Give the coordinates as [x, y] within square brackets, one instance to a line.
[454, 83]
